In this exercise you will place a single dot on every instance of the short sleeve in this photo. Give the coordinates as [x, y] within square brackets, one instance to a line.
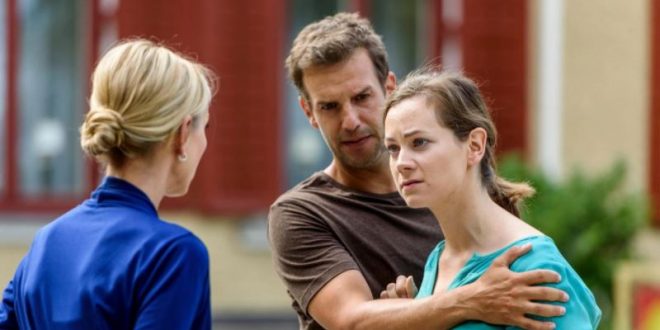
[306, 252]
[582, 312]
[7, 312]
[175, 290]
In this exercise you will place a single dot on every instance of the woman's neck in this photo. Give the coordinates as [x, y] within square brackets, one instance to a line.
[150, 179]
[472, 222]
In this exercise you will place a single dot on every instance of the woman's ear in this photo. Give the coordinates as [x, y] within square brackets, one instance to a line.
[477, 142]
[182, 136]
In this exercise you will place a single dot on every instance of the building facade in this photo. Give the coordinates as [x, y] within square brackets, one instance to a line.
[571, 84]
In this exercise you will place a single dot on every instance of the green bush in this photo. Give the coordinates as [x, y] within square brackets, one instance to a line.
[591, 218]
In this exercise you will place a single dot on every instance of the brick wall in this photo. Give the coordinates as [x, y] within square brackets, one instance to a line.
[242, 42]
[494, 40]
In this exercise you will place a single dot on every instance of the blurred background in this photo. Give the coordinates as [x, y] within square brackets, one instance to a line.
[574, 87]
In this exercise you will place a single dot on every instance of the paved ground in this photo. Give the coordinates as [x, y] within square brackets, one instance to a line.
[256, 322]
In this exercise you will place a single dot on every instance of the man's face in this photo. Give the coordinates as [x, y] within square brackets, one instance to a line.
[346, 104]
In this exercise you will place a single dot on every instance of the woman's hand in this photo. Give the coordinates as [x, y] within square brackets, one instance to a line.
[404, 287]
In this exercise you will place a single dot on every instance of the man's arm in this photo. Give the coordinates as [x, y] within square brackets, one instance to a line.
[500, 296]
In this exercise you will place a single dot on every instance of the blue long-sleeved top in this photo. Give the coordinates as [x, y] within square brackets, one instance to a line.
[110, 263]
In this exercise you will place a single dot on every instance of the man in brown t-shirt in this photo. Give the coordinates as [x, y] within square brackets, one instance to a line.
[339, 237]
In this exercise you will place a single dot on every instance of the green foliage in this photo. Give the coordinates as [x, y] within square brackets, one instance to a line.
[591, 218]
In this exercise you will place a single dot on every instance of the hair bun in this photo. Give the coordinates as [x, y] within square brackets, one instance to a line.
[102, 131]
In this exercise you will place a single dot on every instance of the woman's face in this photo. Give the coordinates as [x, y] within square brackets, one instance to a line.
[428, 163]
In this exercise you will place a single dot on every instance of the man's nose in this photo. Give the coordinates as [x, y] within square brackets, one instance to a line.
[351, 118]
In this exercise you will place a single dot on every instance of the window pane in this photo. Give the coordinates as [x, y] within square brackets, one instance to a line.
[402, 25]
[306, 152]
[51, 86]
[3, 90]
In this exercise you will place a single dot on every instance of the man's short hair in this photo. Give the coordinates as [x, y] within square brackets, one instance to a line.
[331, 41]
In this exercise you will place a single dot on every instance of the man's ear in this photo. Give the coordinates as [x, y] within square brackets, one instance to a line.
[183, 135]
[308, 111]
[477, 142]
[390, 83]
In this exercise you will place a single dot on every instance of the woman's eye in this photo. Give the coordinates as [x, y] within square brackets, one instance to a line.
[392, 149]
[418, 142]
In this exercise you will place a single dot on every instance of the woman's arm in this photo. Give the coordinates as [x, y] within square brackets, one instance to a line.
[7, 314]
[582, 312]
[176, 290]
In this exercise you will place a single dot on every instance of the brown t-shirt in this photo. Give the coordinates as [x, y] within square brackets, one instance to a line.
[320, 229]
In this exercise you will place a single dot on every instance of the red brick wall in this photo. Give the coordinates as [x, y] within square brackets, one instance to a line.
[242, 42]
[654, 115]
[494, 40]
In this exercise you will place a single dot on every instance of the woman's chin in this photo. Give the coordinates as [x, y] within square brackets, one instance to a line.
[415, 203]
[174, 193]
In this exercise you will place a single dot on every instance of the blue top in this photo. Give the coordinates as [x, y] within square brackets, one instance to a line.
[581, 309]
[110, 263]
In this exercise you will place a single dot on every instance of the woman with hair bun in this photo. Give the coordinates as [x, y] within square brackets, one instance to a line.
[441, 141]
[111, 262]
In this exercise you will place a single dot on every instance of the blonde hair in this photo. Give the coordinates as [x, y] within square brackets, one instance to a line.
[459, 106]
[141, 93]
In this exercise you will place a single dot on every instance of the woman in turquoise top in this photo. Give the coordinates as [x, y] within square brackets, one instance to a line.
[441, 141]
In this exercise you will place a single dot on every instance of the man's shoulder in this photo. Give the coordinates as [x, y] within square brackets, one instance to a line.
[311, 190]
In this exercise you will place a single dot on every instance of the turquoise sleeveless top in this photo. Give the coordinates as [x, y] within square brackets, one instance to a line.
[582, 312]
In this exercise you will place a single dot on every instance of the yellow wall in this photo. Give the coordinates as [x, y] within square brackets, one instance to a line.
[606, 79]
[10, 256]
[242, 278]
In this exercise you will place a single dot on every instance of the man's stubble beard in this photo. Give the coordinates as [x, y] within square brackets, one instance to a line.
[373, 160]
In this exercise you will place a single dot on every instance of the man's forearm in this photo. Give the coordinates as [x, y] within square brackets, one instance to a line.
[436, 312]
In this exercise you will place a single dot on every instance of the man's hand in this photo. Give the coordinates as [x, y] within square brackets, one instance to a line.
[504, 297]
[404, 287]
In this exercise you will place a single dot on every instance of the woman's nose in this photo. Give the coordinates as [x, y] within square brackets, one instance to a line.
[404, 161]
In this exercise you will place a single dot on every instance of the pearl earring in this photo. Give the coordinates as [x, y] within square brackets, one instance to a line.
[183, 157]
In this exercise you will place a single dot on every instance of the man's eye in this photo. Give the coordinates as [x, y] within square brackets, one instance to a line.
[418, 142]
[361, 97]
[328, 106]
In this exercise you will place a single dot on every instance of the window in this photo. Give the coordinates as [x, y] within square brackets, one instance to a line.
[403, 26]
[306, 151]
[44, 78]
[51, 86]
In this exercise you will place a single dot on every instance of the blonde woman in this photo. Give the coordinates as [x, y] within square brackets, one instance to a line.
[441, 141]
[111, 262]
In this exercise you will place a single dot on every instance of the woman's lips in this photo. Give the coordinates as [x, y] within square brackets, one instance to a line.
[408, 184]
